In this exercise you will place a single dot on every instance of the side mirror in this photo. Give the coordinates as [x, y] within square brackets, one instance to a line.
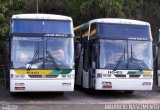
[95, 49]
[78, 47]
[6, 46]
[155, 51]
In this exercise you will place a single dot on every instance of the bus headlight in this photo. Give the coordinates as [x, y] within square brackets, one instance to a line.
[68, 76]
[19, 76]
[147, 76]
[99, 75]
[16, 76]
[63, 76]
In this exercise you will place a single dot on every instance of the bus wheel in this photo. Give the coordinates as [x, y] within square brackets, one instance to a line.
[7, 85]
[13, 94]
[129, 92]
[60, 93]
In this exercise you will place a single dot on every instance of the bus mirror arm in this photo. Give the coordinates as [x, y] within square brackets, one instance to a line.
[95, 48]
[78, 49]
[155, 51]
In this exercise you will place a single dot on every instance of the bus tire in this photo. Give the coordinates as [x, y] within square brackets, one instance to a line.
[13, 94]
[129, 92]
[60, 93]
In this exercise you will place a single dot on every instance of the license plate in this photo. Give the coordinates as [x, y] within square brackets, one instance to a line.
[106, 85]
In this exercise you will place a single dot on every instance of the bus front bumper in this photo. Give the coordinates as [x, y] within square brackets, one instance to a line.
[41, 85]
[123, 84]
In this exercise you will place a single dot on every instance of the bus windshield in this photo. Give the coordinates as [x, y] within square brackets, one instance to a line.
[42, 53]
[123, 54]
[41, 26]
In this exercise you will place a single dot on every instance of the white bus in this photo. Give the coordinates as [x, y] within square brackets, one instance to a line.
[114, 54]
[41, 53]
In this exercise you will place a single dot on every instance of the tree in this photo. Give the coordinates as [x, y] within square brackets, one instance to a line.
[84, 10]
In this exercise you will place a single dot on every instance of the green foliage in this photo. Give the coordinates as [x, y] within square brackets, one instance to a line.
[7, 9]
[83, 10]
[92, 9]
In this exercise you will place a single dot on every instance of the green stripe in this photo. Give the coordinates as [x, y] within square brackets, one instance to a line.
[55, 72]
[135, 72]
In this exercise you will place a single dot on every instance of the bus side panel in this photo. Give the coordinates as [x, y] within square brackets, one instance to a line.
[79, 69]
[158, 75]
[85, 79]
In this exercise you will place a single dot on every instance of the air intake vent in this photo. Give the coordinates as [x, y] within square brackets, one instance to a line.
[120, 75]
[134, 76]
[43, 76]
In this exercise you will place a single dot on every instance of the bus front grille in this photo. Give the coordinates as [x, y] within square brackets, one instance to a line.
[120, 75]
[43, 76]
[134, 76]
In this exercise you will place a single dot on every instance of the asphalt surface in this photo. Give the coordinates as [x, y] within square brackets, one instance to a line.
[77, 100]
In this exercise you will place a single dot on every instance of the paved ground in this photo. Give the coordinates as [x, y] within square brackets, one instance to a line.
[76, 100]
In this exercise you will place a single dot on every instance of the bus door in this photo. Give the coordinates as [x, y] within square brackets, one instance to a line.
[86, 56]
[92, 63]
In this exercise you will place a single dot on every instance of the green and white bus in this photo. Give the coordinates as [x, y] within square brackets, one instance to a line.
[41, 53]
[114, 54]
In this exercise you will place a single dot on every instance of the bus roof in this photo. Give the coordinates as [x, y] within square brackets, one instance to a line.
[114, 21]
[41, 16]
[120, 21]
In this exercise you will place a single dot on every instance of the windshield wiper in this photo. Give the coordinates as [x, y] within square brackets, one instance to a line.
[133, 55]
[52, 59]
[36, 53]
[120, 60]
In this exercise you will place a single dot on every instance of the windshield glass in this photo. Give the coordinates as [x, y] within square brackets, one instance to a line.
[122, 54]
[24, 49]
[41, 26]
[39, 53]
[121, 31]
[59, 50]
[140, 55]
[111, 51]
